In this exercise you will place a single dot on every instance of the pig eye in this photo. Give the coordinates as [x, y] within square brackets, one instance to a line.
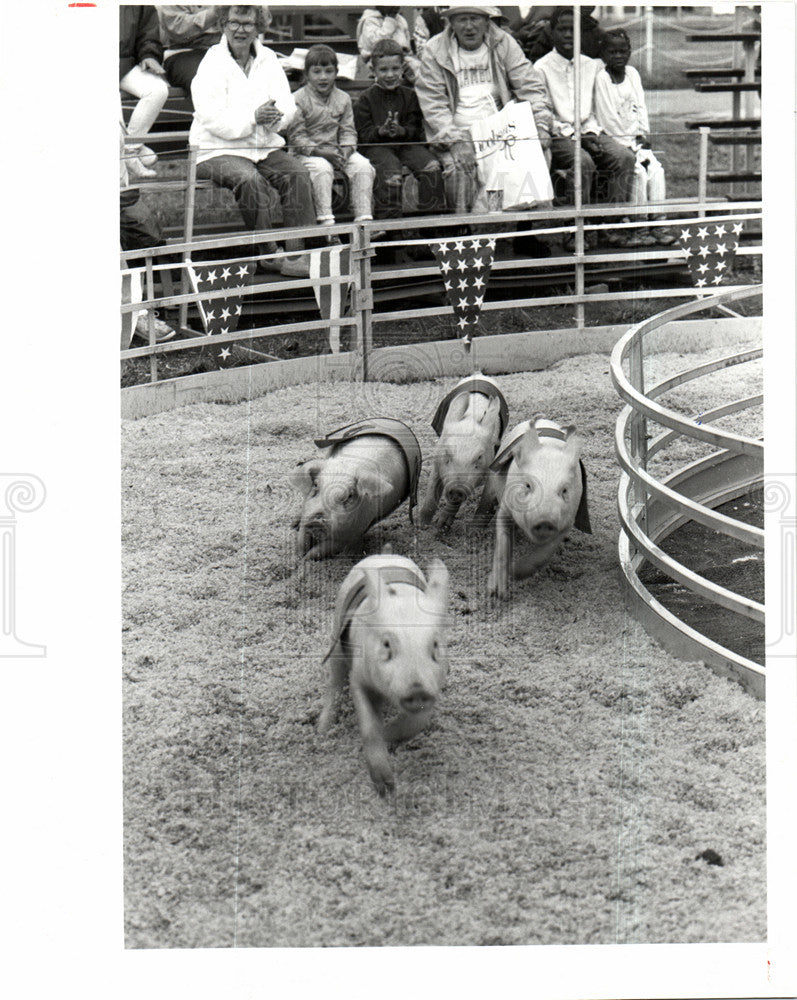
[385, 650]
[435, 650]
[564, 492]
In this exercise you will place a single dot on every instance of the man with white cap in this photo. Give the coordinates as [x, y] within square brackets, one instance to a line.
[468, 71]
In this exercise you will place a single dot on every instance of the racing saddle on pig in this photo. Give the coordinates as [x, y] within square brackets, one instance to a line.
[388, 639]
[469, 423]
[541, 485]
[371, 467]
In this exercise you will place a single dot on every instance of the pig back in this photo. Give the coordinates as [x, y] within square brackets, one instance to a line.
[391, 445]
[354, 589]
[473, 383]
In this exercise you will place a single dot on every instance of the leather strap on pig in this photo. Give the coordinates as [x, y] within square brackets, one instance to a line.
[387, 427]
[475, 383]
[504, 457]
[356, 591]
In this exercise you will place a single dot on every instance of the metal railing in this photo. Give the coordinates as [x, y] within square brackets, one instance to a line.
[651, 508]
[363, 318]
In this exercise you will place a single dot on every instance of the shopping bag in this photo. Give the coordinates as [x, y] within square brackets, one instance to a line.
[509, 157]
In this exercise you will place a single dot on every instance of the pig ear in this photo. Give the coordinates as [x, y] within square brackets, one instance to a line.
[304, 476]
[437, 585]
[493, 407]
[371, 483]
[574, 440]
[458, 406]
[528, 444]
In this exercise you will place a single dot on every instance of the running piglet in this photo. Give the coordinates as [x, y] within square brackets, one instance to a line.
[469, 423]
[369, 468]
[542, 489]
[388, 639]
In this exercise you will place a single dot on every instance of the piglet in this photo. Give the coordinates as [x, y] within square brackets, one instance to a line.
[388, 639]
[371, 467]
[542, 489]
[469, 422]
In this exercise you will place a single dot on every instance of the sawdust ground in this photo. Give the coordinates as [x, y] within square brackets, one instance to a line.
[575, 770]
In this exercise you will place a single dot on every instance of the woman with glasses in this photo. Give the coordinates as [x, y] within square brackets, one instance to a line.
[242, 106]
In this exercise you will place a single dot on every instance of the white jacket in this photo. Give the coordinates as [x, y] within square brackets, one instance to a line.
[225, 100]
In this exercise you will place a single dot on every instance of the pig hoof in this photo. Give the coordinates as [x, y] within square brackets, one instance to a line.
[382, 776]
[497, 588]
[325, 722]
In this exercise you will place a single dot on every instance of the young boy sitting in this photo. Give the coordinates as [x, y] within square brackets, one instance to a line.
[390, 130]
[621, 111]
[324, 137]
[600, 152]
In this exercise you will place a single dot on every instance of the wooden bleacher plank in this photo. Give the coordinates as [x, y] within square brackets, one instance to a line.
[725, 123]
[735, 138]
[733, 177]
[719, 74]
[711, 87]
[731, 36]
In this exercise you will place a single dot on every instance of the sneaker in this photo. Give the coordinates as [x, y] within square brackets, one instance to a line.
[137, 171]
[163, 331]
[147, 156]
[663, 236]
[296, 267]
[646, 238]
[617, 238]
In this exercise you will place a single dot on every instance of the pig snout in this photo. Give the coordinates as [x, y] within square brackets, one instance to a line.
[543, 531]
[417, 699]
[455, 496]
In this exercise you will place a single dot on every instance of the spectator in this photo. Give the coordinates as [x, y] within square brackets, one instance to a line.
[138, 229]
[242, 104]
[324, 137]
[189, 31]
[533, 32]
[377, 23]
[390, 130]
[622, 113]
[426, 25]
[472, 69]
[142, 75]
[599, 151]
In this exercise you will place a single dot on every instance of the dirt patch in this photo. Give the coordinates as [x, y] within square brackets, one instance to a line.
[575, 780]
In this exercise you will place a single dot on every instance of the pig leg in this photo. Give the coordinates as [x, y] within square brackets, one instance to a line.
[527, 564]
[404, 727]
[338, 670]
[374, 746]
[498, 580]
[429, 505]
[486, 507]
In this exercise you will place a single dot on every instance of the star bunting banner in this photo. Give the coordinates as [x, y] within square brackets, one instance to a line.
[709, 249]
[221, 315]
[465, 266]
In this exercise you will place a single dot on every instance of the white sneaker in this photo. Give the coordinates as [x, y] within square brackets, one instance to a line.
[137, 171]
[163, 331]
[147, 156]
[296, 267]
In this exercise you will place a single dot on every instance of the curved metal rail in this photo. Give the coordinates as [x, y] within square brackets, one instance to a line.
[651, 509]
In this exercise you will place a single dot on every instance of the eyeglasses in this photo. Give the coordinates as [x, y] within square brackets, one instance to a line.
[241, 25]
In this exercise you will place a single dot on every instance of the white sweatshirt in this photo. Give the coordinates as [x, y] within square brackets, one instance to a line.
[225, 100]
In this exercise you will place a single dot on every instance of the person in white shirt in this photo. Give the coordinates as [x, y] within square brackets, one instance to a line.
[600, 152]
[622, 113]
[242, 104]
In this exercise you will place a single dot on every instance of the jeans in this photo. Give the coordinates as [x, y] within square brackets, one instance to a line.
[424, 165]
[600, 154]
[181, 68]
[256, 187]
[360, 176]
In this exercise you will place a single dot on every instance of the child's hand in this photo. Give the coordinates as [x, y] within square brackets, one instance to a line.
[150, 65]
[385, 128]
[399, 131]
[331, 154]
[346, 152]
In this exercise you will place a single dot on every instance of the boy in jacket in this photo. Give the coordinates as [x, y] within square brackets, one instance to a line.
[390, 131]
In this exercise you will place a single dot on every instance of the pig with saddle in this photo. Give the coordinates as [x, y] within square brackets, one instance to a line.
[388, 640]
[369, 469]
[469, 423]
[542, 490]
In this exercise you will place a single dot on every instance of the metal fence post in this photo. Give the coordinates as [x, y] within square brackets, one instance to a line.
[577, 191]
[362, 251]
[639, 426]
[702, 172]
[150, 294]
